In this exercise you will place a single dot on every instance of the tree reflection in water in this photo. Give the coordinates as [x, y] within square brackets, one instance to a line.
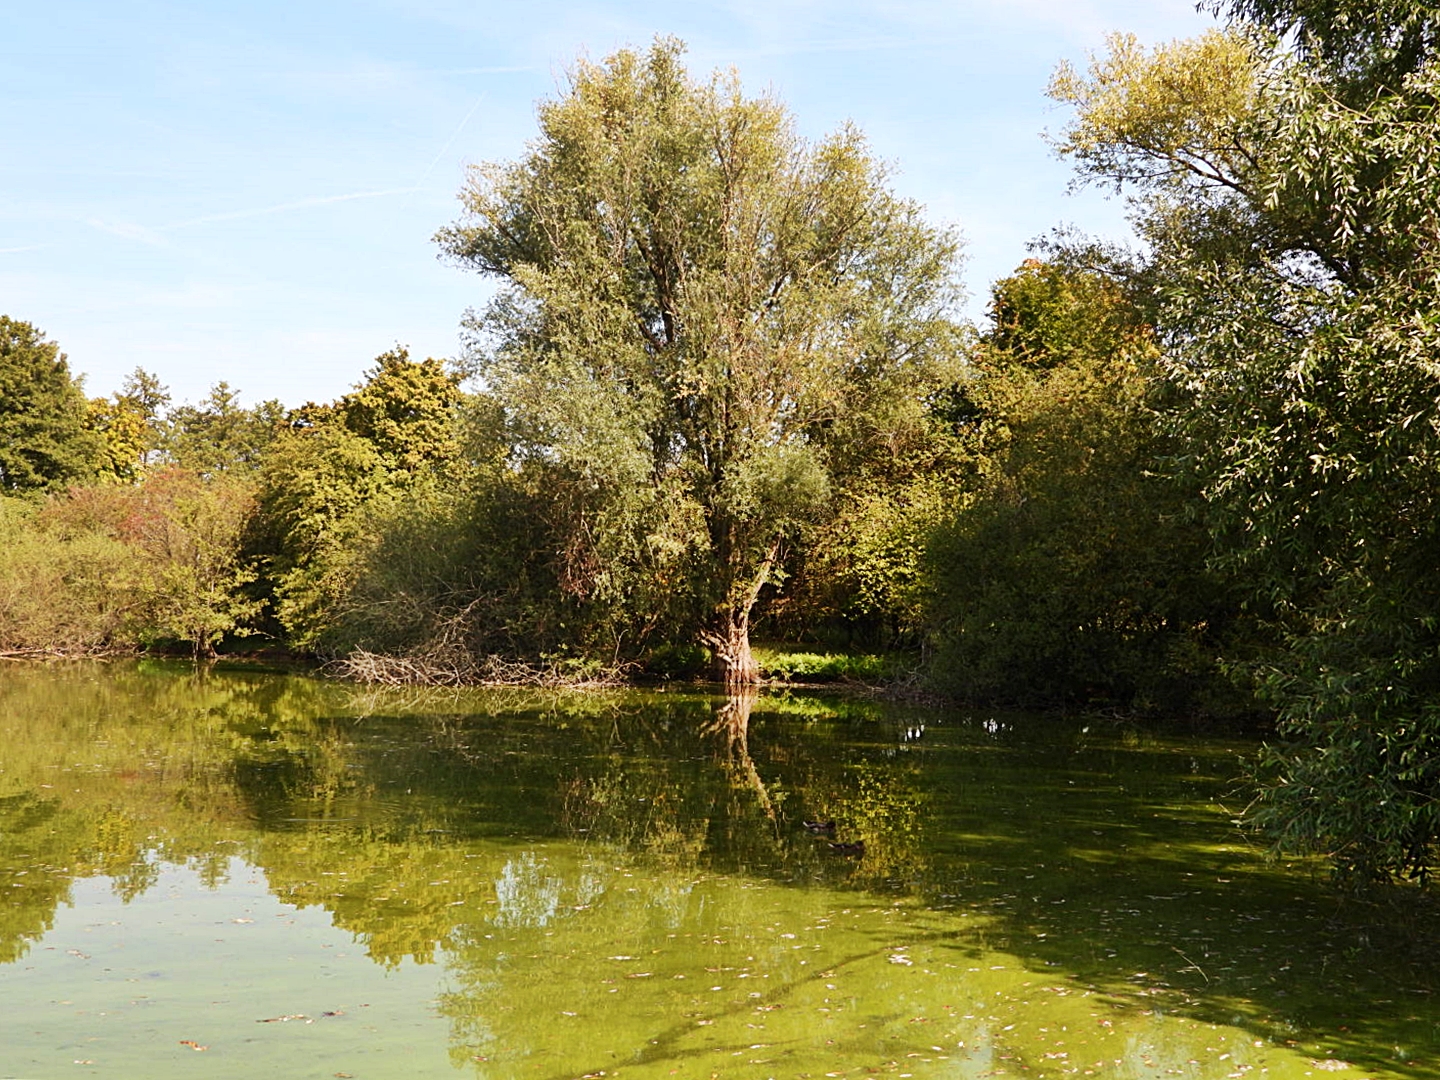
[579, 867]
[732, 724]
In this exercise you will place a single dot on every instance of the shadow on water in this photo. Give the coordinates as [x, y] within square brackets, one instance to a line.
[600, 856]
[1111, 852]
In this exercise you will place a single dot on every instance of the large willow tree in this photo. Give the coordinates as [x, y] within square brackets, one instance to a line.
[707, 308]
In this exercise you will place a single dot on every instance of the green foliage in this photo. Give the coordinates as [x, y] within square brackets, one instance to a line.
[313, 488]
[108, 567]
[798, 665]
[489, 557]
[1361, 44]
[187, 532]
[1321, 455]
[1052, 315]
[45, 439]
[220, 435]
[181, 574]
[862, 581]
[332, 486]
[141, 430]
[450, 571]
[405, 409]
[126, 438]
[1182, 113]
[709, 324]
[1299, 305]
[60, 593]
[151, 555]
[859, 580]
[1069, 574]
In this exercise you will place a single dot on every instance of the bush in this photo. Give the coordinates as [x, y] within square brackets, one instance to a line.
[62, 594]
[1071, 573]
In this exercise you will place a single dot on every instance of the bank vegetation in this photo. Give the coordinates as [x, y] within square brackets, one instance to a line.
[724, 391]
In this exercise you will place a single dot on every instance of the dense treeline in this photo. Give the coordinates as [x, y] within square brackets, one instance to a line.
[724, 386]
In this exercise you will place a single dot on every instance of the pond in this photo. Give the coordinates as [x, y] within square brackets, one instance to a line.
[244, 874]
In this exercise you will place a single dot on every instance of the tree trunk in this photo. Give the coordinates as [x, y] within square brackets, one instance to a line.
[729, 635]
[730, 647]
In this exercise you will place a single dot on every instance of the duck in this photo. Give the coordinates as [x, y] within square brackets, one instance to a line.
[848, 847]
[826, 828]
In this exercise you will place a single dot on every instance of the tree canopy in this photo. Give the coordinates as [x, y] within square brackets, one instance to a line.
[336, 463]
[1068, 572]
[705, 306]
[45, 438]
[1299, 294]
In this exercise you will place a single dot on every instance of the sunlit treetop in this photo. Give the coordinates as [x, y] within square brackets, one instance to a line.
[45, 438]
[1176, 114]
[1046, 314]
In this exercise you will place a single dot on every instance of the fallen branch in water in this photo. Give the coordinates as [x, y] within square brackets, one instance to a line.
[459, 669]
[88, 652]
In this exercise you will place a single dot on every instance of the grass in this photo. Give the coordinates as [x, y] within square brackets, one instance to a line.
[785, 663]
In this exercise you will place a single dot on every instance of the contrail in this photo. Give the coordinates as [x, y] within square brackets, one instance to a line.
[280, 208]
[444, 149]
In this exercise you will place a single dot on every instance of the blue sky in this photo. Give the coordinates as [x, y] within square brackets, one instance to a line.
[247, 190]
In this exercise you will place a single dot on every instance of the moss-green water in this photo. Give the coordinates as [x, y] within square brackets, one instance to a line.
[307, 881]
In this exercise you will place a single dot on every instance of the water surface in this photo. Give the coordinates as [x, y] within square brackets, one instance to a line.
[238, 874]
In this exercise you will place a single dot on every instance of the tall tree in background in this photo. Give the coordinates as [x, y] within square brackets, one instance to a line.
[1286, 175]
[45, 438]
[406, 408]
[220, 435]
[704, 307]
[132, 424]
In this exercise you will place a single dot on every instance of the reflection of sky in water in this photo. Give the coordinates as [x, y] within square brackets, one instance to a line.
[671, 900]
[214, 960]
[528, 896]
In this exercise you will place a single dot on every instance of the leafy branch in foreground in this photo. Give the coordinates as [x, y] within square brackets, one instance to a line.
[1299, 306]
